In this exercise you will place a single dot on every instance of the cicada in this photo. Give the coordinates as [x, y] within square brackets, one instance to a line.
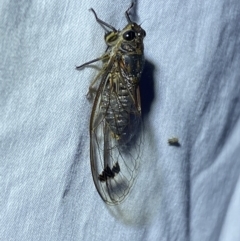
[115, 123]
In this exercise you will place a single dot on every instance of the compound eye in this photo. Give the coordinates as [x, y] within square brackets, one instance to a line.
[129, 35]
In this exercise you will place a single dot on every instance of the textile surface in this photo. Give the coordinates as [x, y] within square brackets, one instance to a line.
[190, 89]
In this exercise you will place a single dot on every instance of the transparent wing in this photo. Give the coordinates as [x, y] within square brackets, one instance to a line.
[114, 148]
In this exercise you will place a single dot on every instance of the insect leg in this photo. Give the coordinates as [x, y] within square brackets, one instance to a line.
[138, 101]
[92, 89]
[127, 13]
[105, 56]
[101, 22]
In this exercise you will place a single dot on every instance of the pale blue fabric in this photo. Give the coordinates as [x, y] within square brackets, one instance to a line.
[190, 89]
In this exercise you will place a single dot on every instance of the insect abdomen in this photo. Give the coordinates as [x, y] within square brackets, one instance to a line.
[116, 108]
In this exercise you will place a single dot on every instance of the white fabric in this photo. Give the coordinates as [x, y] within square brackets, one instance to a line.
[190, 90]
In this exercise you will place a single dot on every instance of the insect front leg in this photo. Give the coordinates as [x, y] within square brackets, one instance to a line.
[104, 58]
[92, 89]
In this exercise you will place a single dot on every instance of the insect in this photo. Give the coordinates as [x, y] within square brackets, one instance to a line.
[173, 141]
[115, 123]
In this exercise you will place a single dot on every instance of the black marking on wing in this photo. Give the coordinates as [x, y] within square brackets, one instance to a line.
[109, 173]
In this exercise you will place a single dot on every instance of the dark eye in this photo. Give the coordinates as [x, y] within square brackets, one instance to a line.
[129, 35]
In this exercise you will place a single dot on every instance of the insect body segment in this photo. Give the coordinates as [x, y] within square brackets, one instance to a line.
[115, 123]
